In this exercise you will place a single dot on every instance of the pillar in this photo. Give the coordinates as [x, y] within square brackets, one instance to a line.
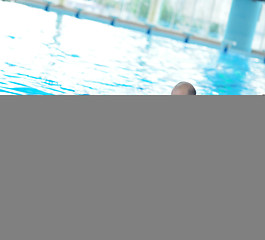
[154, 11]
[242, 22]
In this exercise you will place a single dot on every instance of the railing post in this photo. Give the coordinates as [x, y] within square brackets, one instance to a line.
[227, 45]
[47, 7]
[78, 12]
[149, 29]
[187, 37]
[113, 20]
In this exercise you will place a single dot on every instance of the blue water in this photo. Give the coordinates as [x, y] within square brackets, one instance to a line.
[45, 53]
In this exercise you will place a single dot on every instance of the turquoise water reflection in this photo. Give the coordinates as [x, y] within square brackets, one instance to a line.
[46, 53]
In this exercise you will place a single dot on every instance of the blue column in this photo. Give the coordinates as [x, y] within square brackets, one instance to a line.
[242, 22]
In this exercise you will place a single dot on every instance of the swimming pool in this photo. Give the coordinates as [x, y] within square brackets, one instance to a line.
[47, 53]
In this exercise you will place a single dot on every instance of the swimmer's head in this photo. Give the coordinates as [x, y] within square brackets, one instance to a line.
[184, 88]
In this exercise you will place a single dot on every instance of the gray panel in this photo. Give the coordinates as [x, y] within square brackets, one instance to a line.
[132, 168]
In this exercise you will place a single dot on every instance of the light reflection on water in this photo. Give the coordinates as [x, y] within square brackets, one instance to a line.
[46, 53]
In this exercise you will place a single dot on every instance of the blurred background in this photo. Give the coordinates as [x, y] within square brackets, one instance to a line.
[132, 47]
[205, 18]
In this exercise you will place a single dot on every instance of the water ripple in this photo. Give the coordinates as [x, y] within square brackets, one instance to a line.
[58, 54]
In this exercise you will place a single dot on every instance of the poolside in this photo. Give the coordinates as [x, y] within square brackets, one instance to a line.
[58, 54]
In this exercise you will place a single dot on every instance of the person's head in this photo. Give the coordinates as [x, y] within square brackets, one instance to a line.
[184, 88]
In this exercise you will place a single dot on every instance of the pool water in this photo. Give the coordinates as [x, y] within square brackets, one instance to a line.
[47, 53]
